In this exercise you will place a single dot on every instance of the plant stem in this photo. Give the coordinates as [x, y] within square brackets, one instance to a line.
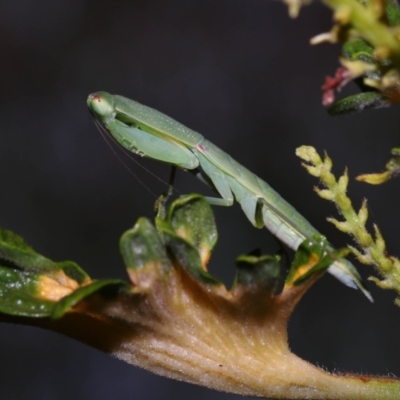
[207, 341]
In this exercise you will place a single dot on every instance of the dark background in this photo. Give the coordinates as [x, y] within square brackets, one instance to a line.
[238, 71]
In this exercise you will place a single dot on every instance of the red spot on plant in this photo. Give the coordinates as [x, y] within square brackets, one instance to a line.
[332, 84]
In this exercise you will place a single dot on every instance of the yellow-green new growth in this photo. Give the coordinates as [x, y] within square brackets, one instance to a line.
[372, 249]
[392, 170]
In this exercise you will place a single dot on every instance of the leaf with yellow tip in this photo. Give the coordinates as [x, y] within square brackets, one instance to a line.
[34, 286]
[311, 257]
[192, 219]
[112, 286]
[189, 232]
[142, 250]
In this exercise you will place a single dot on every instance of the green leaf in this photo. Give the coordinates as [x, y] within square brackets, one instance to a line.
[141, 246]
[191, 217]
[359, 102]
[34, 286]
[189, 233]
[257, 273]
[67, 302]
[189, 258]
[15, 250]
[359, 49]
[18, 294]
[73, 270]
[310, 258]
[393, 12]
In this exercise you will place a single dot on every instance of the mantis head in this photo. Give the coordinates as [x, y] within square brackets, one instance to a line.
[101, 104]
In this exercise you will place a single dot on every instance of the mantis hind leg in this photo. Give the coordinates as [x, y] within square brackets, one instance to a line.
[222, 186]
[217, 181]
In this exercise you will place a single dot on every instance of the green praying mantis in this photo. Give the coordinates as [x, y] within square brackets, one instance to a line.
[150, 133]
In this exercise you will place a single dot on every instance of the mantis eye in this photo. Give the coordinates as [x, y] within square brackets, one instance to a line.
[101, 103]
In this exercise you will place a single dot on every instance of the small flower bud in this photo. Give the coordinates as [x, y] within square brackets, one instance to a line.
[327, 161]
[343, 181]
[361, 257]
[379, 241]
[341, 225]
[363, 213]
